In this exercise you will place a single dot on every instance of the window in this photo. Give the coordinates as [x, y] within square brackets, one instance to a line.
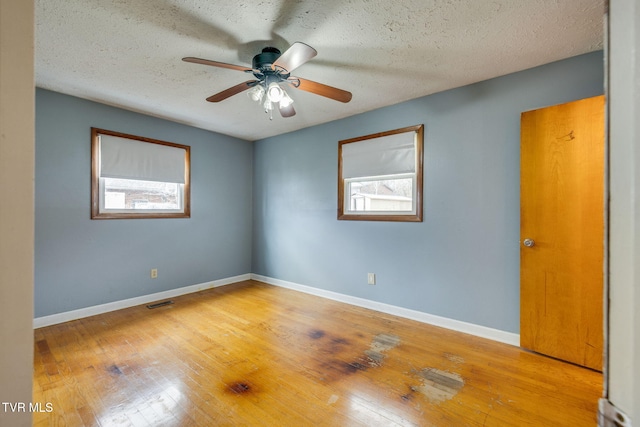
[135, 177]
[380, 176]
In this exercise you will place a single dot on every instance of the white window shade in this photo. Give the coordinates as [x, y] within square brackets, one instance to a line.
[146, 161]
[389, 155]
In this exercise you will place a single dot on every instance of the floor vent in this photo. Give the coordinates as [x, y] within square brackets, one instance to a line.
[159, 304]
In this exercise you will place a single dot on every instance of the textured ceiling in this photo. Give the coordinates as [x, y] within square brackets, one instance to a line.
[127, 53]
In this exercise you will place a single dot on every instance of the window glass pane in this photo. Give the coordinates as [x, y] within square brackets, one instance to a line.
[383, 195]
[124, 194]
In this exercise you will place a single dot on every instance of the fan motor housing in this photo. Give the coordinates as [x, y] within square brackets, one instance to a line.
[268, 56]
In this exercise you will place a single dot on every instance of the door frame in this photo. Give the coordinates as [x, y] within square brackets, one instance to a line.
[622, 273]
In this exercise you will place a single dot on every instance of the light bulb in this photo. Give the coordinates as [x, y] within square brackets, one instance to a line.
[256, 93]
[286, 100]
[268, 106]
[274, 92]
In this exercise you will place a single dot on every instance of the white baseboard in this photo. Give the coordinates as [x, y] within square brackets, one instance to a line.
[67, 316]
[456, 325]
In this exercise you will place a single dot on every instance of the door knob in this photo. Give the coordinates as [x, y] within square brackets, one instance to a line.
[528, 243]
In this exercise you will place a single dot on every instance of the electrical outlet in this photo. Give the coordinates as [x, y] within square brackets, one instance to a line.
[154, 273]
[371, 278]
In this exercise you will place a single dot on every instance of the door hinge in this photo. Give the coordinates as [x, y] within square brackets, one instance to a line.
[610, 416]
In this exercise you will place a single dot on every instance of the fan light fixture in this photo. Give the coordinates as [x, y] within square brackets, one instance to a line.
[273, 94]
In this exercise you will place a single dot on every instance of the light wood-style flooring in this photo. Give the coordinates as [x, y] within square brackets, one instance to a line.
[251, 354]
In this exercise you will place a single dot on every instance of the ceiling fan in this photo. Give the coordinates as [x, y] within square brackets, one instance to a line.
[271, 69]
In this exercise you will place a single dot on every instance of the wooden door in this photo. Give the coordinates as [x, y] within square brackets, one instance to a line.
[562, 231]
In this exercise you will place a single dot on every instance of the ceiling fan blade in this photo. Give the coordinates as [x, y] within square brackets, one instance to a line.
[287, 111]
[215, 63]
[322, 89]
[295, 56]
[221, 96]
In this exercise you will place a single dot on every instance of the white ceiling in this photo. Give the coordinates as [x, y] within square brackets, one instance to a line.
[127, 53]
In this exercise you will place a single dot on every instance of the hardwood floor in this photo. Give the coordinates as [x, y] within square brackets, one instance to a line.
[253, 354]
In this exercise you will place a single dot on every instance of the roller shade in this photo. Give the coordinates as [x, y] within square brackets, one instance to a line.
[145, 161]
[389, 155]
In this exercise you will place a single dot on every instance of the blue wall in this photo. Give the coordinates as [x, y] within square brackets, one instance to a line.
[462, 262]
[81, 263]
